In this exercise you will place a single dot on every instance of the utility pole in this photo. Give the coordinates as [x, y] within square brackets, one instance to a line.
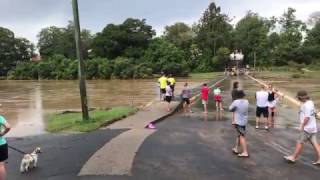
[254, 60]
[82, 80]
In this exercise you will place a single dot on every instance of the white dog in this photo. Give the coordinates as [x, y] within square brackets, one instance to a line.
[29, 161]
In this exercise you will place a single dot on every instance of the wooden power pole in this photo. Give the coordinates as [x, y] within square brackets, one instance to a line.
[81, 69]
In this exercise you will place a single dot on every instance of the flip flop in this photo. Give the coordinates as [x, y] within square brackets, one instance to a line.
[235, 151]
[288, 159]
[243, 156]
[316, 163]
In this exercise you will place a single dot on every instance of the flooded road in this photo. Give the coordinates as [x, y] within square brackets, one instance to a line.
[26, 103]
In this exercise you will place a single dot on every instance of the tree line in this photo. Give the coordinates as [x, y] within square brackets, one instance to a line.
[132, 50]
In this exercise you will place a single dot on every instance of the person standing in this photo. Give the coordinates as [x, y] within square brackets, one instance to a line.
[240, 107]
[262, 106]
[272, 103]
[217, 97]
[235, 87]
[172, 83]
[4, 129]
[308, 128]
[163, 84]
[205, 97]
[234, 92]
[186, 95]
[168, 97]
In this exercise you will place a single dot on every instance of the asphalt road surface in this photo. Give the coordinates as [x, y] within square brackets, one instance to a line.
[184, 147]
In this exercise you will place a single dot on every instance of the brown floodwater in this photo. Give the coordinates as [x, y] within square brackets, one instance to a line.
[26, 103]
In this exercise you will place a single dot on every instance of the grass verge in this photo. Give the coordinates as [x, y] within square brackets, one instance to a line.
[73, 122]
[210, 75]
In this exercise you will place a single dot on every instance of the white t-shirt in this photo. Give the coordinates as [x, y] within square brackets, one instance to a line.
[241, 107]
[307, 110]
[262, 98]
[168, 91]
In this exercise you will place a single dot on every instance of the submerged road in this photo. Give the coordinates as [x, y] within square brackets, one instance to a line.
[185, 146]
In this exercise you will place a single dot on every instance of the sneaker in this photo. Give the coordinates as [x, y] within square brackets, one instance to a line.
[257, 127]
[266, 127]
[151, 126]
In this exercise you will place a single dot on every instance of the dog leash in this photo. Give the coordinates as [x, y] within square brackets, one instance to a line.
[17, 150]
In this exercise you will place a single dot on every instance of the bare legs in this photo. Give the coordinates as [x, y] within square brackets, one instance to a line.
[241, 140]
[271, 116]
[219, 106]
[205, 106]
[299, 148]
[258, 121]
[2, 171]
[168, 107]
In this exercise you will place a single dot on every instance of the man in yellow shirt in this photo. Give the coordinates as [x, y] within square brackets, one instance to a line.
[172, 82]
[163, 83]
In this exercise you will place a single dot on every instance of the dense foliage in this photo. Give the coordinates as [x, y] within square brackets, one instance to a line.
[131, 50]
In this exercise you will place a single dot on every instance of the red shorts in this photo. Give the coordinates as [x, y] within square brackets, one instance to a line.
[217, 98]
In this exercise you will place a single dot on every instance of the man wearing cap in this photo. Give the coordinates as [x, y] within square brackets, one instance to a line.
[308, 127]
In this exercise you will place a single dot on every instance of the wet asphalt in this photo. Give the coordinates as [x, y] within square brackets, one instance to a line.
[184, 147]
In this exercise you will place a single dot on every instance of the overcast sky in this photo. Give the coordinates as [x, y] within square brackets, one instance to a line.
[27, 17]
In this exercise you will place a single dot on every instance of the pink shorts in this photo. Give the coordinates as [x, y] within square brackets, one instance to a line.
[217, 98]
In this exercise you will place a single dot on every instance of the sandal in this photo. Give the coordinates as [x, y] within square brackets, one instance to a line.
[243, 155]
[235, 151]
[289, 159]
[316, 163]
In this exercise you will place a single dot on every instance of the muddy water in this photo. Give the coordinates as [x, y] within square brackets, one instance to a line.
[287, 113]
[26, 103]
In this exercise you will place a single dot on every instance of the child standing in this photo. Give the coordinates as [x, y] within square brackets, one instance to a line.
[308, 128]
[204, 97]
[4, 127]
[217, 97]
[168, 97]
[186, 95]
[240, 108]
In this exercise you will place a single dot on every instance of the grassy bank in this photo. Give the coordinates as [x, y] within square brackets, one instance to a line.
[73, 122]
[210, 75]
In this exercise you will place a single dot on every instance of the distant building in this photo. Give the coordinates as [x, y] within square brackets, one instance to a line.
[36, 57]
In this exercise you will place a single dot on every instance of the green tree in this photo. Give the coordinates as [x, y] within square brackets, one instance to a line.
[311, 45]
[179, 34]
[290, 39]
[165, 56]
[128, 39]
[213, 31]
[60, 40]
[13, 51]
[251, 36]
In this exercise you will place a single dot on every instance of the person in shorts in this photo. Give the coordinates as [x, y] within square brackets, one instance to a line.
[217, 97]
[205, 97]
[272, 103]
[186, 95]
[308, 128]
[4, 129]
[163, 84]
[172, 83]
[240, 108]
[262, 107]
[168, 97]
